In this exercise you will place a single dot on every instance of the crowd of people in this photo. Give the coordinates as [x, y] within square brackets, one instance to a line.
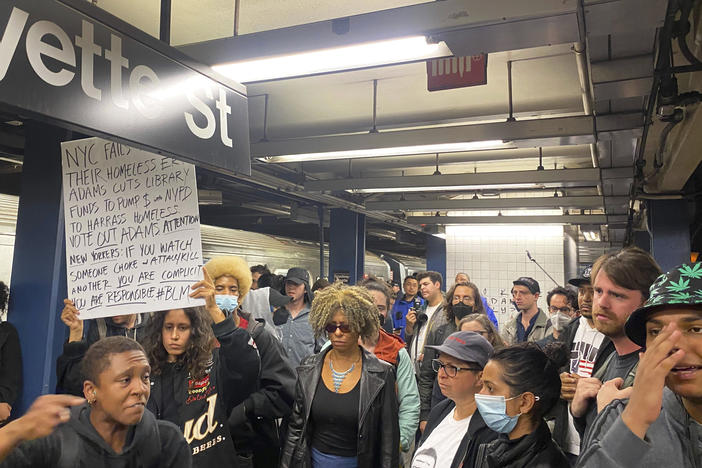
[282, 372]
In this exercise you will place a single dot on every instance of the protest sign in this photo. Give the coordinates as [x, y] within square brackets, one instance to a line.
[132, 229]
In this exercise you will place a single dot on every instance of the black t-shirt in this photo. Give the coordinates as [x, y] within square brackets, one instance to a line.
[334, 419]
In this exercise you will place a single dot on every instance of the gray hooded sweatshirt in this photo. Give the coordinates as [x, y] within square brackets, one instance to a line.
[674, 439]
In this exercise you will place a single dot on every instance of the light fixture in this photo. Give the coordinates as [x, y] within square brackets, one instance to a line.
[443, 188]
[392, 151]
[350, 57]
[591, 236]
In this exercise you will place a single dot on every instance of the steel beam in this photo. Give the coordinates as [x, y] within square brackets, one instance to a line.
[488, 204]
[555, 219]
[471, 181]
[523, 133]
[429, 19]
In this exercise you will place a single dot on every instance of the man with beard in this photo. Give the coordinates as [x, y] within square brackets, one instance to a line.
[531, 323]
[621, 285]
[588, 350]
[658, 421]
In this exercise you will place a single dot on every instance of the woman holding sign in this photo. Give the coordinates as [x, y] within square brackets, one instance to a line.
[195, 384]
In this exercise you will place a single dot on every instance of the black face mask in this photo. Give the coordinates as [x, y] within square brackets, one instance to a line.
[460, 310]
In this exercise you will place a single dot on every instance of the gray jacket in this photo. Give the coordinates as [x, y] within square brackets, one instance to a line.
[674, 439]
[541, 329]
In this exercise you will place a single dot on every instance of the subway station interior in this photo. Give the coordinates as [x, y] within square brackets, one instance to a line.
[573, 133]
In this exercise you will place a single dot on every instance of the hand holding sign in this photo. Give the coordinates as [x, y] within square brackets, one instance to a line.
[205, 290]
[69, 316]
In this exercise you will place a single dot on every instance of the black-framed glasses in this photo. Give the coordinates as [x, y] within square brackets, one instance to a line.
[564, 310]
[450, 369]
[332, 327]
[467, 300]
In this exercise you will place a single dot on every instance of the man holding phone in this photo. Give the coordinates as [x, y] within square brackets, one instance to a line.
[403, 305]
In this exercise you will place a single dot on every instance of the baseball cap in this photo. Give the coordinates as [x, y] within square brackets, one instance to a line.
[584, 277]
[681, 286]
[467, 346]
[530, 283]
[298, 276]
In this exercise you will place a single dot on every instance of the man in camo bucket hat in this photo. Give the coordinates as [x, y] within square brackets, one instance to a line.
[658, 421]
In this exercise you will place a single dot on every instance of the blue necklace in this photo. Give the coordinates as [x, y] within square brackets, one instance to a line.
[338, 377]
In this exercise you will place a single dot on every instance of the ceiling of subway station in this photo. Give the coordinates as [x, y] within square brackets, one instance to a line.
[553, 101]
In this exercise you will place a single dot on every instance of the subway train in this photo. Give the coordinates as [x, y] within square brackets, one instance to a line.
[279, 253]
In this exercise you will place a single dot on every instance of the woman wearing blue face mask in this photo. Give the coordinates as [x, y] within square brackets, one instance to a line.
[253, 423]
[520, 385]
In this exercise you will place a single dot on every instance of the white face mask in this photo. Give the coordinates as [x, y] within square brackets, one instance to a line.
[559, 321]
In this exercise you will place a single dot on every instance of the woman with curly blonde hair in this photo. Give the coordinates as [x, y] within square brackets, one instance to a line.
[345, 411]
[194, 384]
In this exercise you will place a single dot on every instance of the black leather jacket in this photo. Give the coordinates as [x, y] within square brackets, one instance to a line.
[378, 426]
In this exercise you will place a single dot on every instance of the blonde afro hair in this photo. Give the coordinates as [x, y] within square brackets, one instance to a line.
[236, 267]
[353, 301]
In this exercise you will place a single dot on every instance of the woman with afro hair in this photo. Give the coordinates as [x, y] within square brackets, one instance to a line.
[253, 422]
[346, 412]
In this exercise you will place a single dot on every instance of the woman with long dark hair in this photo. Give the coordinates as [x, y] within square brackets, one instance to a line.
[345, 411]
[195, 384]
[520, 385]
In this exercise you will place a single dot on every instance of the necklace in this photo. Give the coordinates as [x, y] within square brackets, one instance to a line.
[338, 377]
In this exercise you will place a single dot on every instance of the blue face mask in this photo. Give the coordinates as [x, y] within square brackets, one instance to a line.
[227, 303]
[493, 409]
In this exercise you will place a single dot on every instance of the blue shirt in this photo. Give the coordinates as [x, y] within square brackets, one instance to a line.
[490, 313]
[522, 334]
[297, 336]
[399, 312]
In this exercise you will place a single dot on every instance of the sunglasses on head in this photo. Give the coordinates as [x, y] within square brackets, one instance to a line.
[332, 327]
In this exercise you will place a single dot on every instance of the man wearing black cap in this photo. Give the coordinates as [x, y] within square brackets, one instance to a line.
[292, 321]
[531, 323]
[661, 422]
[588, 350]
[455, 429]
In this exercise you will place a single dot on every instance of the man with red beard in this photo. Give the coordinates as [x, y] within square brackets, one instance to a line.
[621, 284]
[661, 422]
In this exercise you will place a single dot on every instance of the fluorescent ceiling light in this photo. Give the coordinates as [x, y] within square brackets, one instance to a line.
[335, 59]
[442, 188]
[392, 151]
[591, 236]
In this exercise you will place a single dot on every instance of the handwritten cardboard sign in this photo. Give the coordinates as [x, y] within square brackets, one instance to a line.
[132, 229]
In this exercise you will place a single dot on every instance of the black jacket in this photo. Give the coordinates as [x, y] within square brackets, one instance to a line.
[10, 364]
[535, 450]
[478, 433]
[76, 444]
[253, 422]
[427, 376]
[68, 375]
[378, 426]
[204, 404]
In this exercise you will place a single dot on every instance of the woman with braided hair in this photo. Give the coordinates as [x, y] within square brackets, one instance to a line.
[345, 411]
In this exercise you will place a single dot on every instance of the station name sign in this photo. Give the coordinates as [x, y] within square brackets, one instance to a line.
[72, 69]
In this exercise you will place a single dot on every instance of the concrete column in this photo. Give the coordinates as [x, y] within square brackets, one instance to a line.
[570, 253]
[39, 264]
[670, 232]
[347, 241]
[436, 257]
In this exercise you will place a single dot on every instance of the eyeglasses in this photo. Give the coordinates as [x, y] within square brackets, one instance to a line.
[450, 369]
[467, 300]
[332, 327]
[563, 310]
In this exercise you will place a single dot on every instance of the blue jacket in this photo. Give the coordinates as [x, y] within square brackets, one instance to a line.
[490, 313]
[399, 312]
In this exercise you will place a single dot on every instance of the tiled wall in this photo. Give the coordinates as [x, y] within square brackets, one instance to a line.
[495, 255]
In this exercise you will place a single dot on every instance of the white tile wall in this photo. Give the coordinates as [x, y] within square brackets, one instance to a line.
[495, 255]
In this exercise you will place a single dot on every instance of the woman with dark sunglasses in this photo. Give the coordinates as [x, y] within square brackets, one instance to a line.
[345, 411]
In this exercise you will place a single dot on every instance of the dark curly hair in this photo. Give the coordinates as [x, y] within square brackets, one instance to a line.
[197, 358]
[477, 307]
